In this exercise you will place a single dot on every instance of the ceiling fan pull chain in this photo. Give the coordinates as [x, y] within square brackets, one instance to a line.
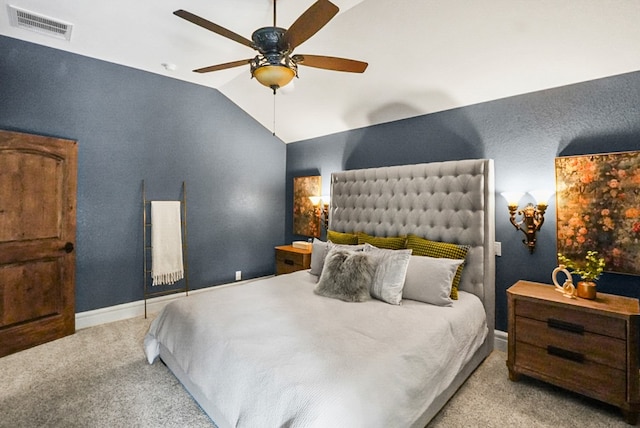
[274, 111]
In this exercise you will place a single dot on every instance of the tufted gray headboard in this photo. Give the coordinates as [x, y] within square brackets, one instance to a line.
[449, 201]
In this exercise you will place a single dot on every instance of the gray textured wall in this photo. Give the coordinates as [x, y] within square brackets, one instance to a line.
[523, 134]
[132, 125]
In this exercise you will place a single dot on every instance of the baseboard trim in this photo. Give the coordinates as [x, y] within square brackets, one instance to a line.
[136, 309]
[500, 340]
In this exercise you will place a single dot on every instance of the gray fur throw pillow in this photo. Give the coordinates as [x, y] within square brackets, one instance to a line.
[346, 275]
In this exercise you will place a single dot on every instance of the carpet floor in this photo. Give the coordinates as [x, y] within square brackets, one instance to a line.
[99, 377]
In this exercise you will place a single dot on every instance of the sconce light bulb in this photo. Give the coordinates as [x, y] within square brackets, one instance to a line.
[541, 196]
[512, 198]
[315, 200]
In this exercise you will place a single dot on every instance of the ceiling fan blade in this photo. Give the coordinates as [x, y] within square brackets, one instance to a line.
[223, 66]
[213, 27]
[310, 22]
[331, 63]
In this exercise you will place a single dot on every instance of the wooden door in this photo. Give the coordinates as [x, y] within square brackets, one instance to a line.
[37, 238]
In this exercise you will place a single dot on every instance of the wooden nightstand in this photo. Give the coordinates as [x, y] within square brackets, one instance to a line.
[290, 259]
[587, 346]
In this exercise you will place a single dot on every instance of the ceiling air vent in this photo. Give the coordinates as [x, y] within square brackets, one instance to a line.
[39, 23]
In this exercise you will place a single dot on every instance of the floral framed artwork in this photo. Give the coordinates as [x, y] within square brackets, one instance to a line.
[598, 208]
[305, 221]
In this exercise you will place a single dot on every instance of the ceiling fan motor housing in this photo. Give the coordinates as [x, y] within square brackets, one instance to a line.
[270, 41]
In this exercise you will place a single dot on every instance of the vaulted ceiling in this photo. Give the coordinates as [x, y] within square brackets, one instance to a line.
[424, 55]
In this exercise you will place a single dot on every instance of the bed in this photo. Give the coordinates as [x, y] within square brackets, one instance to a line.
[274, 353]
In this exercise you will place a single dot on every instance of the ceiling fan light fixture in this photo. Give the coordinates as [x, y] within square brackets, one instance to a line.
[274, 76]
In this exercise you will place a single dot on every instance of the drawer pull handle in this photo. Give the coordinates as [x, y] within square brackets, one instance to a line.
[288, 262]
[566, 326]
[563, 353]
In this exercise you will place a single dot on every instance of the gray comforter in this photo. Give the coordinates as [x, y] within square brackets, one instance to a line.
[271, 353]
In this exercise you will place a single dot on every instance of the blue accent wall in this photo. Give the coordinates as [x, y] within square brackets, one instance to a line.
[523, 134]
[131, 126]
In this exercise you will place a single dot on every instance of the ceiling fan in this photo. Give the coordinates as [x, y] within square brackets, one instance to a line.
[275, 66]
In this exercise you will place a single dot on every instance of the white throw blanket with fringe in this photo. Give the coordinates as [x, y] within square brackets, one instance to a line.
[166, 242]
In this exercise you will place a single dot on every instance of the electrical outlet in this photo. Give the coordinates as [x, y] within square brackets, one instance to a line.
[238, 275]
[497, 248]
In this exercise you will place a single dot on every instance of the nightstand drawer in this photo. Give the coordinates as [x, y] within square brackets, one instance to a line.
[567, 318]
[290, 259]
[557, 366]
[282, 268]
[592, 347]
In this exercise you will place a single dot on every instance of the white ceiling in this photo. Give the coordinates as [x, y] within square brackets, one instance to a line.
[424, 55]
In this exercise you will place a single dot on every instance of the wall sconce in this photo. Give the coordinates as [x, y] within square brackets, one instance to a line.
[321, 205]
[532, 215]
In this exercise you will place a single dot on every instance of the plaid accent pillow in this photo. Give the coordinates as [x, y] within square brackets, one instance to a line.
[425, 247]
[389, 243]
[342, 238]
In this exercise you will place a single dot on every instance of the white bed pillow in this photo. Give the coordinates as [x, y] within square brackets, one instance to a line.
[346, 275]
[389, 278]
[429, 279]
[318, 253]
[320, 250]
